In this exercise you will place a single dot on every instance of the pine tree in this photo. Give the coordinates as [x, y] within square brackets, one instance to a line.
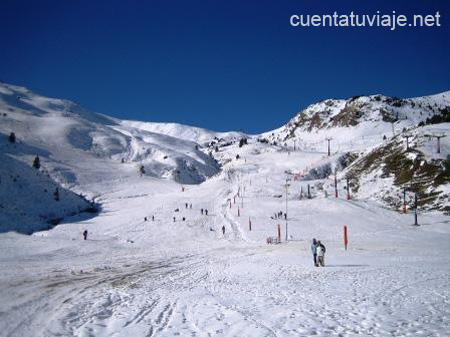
[12, 137]
[56, 194]
[37, 163]
[243, 142]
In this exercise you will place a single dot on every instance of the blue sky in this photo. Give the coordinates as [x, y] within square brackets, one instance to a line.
[222, 65]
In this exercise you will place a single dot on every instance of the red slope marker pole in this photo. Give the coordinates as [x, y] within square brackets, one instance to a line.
[345, 237]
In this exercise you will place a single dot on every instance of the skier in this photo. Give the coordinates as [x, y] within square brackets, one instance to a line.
[206, 211]
[153, 218]
[85, 233]
[184, 219]
[314, 251]
[186, 204]
[201, 211]
[174, 220]
[190, 206]
[223, 229]
[145, 218]
[321, 254]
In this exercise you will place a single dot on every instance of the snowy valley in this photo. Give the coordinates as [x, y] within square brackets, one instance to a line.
[178, 221]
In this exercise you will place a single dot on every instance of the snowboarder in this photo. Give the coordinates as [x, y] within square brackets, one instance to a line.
[223, 229]
[314, 251]
[85, 233]
[321, 254]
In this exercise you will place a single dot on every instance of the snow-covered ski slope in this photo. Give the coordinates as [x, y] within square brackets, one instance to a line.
[356, 123]
[169, 277]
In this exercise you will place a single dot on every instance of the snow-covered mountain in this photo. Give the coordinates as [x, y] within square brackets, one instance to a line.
[78, 148]
[76, 145]
[374, 130]
[64, 129]
[166, 258]
[358, 122]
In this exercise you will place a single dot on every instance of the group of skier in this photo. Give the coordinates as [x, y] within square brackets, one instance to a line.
[279, 215]
[318, 250]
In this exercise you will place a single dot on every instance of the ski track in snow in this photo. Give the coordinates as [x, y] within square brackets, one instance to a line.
[238, 286]
[236, 289]
[206, 295]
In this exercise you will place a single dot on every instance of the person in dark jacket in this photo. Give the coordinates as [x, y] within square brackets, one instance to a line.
[85, 233]
[314, 251]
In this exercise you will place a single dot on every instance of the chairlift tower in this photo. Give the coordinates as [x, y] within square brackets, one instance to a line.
[328, 140]
[335, 185]
[407, 141]
[348, 188]
[438, 137]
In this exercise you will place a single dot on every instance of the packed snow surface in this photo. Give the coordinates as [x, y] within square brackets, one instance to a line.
[139, 276]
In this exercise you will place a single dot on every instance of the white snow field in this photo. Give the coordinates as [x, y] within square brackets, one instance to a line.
[162, 277]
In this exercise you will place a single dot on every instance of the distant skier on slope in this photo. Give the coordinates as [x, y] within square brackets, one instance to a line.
[223, 229]
[206, 212]
[85, 233]
[321, 254]
[314, 251]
